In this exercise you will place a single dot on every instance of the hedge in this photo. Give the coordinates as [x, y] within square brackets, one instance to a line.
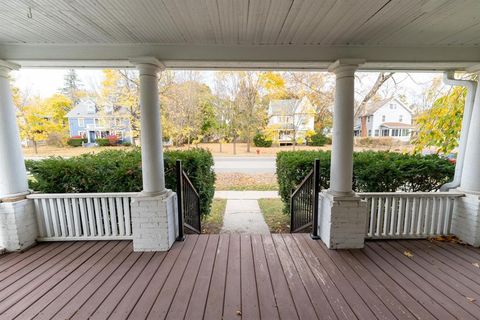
[76, 142]
[260, 140]
[372, 171]
[120, 171]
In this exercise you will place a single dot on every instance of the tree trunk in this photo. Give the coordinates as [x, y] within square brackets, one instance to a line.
[35, 148]
[234, 145]
[220, 145]
[248, 144]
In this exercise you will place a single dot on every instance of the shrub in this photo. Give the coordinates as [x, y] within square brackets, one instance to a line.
[76, 141]
[112, 140]
[318, 139]
[120, 171]
[260, 140]
[126, 143]
[102, 142]
[372, 171]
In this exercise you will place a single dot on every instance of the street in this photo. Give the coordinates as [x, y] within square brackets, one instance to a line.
[250, 165]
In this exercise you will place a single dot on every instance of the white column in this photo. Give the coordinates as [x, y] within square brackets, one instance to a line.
[13, 176]
[341, 169]
[154, 211]
[471, 164]
[151, 128]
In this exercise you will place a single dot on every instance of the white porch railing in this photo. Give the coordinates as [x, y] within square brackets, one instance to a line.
[83, 216]
[402, 215]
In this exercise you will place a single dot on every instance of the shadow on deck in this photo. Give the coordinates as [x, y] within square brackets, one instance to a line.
[251, 277]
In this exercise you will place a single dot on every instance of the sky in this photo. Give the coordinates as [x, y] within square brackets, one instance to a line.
[45, 82]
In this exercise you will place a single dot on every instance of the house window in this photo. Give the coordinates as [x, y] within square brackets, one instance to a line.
[81, 122]
[377, 133]
[383, 118]
[400, 118]
[385, 133]
[368, 119]
[369, 133]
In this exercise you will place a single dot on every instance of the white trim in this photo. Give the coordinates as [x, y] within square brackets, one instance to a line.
[293, 57]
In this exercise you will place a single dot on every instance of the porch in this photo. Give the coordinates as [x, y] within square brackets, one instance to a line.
[252, 277]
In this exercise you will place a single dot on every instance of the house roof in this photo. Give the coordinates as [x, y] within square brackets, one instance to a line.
[397, 125]
[83, 110]
[284, 106]
[373, 107]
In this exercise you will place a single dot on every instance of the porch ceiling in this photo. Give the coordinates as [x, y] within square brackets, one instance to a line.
[403, 34]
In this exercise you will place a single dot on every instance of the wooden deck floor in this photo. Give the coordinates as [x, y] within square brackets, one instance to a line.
[249, 277]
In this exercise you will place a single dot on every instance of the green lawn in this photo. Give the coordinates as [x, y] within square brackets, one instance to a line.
[277, 221]
[214, 221]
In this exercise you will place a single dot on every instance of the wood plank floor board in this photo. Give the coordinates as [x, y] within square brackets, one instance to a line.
[59, 289]
[412, 287]
[231, 276]
[164, 299]
[232, 308]
[122, 309]
[462, 306]
[382, 275]
[361, 310]
[17, 259]
[320, 302]
[49, 311]
[337, 301]
[56, 282]
[38, 276]
[431, 266]
[216, 293]
[395, 306]
[179, 305]
[33, 262]
[427, 287]
[198, 300]
[148, 297]
[448, 267]
[369, 297]
[300, 295]
[283, 296]
[266, 298]
[135, 261]
[250, 308]
[96, 284]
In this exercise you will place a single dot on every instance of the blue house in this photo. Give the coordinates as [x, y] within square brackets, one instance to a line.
[92, 122]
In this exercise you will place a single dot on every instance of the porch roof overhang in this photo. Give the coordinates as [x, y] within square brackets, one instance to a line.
[247, 34]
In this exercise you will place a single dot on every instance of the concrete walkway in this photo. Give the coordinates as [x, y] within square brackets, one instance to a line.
[244, 216]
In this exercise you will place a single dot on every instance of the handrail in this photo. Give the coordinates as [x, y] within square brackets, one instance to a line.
[80, 195]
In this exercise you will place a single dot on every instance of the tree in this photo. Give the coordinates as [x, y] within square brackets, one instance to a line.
[441, 125]
[37, 121]
[186, 107]
[72, 87]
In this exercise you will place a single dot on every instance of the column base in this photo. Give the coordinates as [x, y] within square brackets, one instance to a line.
[342, 221]
[466, 218]
[154, 221]
[18, 225]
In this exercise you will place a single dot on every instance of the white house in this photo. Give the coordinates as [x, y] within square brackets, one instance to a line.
[290, 119]
[385, 118]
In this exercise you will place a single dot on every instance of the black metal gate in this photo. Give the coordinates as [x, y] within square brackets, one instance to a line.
[188, 202]
[304, 203]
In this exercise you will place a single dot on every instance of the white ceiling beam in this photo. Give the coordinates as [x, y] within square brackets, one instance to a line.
[241, 57]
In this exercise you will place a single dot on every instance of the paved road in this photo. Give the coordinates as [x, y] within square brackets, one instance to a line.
[250, 165]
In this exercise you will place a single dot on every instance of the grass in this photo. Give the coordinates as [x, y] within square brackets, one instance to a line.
[214, 221]
[277, 221]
